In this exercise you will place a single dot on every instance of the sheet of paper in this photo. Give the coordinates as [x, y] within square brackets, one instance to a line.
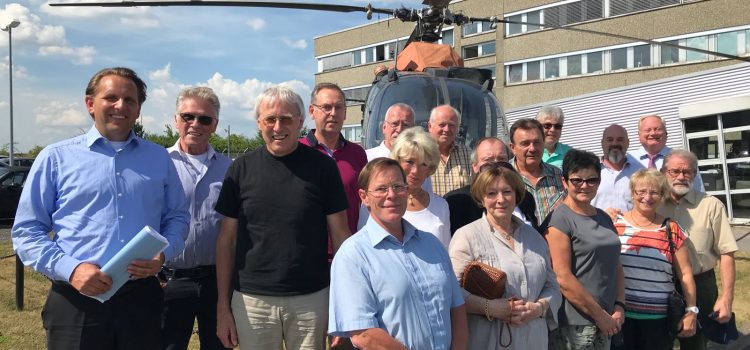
[146, 244]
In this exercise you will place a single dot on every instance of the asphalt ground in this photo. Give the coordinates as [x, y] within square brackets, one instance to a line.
[741, 233]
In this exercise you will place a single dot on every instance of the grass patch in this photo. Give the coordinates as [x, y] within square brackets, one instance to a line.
[741, 306]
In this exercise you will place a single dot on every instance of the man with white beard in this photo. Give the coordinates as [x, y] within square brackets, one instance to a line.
[617, 167]
[704, 219]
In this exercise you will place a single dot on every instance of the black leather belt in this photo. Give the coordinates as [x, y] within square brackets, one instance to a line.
[192, 273]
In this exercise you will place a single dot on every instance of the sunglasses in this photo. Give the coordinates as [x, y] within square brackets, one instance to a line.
[548, 126]
[578, 182]
[271, 121]
[202, 119]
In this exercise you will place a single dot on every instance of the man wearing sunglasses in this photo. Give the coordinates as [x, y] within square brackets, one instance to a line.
[552, 119]
[328, 110]
[190, 290]
[96, 192]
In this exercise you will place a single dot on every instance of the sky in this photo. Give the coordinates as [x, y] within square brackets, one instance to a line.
[236, 51]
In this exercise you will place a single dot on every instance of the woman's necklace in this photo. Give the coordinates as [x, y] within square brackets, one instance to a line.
[649, 223]
[414, 196]
[503, 233]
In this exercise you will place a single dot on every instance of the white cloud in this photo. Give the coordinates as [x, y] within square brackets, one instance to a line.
[295, 44]
[59, 114]
[4, 104]
[80, 55]
[19, 72]
[94, 11]
[161, 75]
[256, 23]
[50, 39]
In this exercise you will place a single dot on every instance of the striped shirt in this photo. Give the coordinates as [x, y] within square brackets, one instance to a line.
[453, 173]
[647, 264]
[548, 191]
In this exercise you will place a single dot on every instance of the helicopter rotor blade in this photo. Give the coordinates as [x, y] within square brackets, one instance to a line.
[626, 37]
[237, 3]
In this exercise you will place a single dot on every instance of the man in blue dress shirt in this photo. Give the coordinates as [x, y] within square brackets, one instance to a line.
[190, 291]
[96, 191]
[391, 284]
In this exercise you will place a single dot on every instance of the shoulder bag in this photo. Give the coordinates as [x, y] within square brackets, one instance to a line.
[675, 301]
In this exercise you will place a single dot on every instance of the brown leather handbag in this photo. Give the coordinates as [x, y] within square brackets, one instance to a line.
[483, 280]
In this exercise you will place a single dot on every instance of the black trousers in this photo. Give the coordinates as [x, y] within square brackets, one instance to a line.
[706, 294]
[187, 299]
[129, 320]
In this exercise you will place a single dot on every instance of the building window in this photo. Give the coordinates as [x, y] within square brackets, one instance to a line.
[515, 28]
[594, 62]
[727, 43]
[356, 96]
[574, 65]
[552, 68]
[352, 133]
[747, 41]
[722, 144]
[475, 28]
[531, 17]
[478, 50]
[492, 68]
[335, 61]
[618, 59]
[670, 54]
[447, 38]
[700, 42]
[622, 7]
[534, 71]
[641, 56]
[515, 73]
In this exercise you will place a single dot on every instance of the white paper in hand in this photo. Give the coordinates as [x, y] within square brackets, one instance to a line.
[144, 246]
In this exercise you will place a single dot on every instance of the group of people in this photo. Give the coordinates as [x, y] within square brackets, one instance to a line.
[312, 242]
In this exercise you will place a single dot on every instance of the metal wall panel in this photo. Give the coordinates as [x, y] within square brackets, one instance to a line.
[586, 116]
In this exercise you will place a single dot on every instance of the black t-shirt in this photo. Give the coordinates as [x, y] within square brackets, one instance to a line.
[281, 204]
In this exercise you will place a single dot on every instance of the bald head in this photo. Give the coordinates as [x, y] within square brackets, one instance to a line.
[488, 150]
[443, 125]
[398, 117]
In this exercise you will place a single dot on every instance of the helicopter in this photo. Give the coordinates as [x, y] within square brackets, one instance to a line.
[422, 85]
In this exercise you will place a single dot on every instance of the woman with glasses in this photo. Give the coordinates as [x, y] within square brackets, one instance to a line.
[520, 319]
[585, 252]
[648, 264]
[391, 283]
[418, 154]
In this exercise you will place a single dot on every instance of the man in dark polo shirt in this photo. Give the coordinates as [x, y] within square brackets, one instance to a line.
[280, 203]
[328, 111]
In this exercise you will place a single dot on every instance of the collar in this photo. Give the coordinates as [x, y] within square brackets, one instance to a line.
[547, 170]
[377, 233]
[313, 141]
[176, 149]
[629, 161]
[93, 135]
[559, 148]
[642, 154]
[693, 197]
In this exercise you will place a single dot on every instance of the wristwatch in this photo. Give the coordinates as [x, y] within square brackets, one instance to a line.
[693, 309]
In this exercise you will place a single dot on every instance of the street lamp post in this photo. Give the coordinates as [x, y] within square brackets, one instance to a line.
[19, 266]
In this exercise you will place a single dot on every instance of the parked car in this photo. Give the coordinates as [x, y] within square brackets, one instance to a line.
[17, 161]
[11, 184]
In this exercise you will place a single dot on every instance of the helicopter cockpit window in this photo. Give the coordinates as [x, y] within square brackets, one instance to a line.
[479, 109]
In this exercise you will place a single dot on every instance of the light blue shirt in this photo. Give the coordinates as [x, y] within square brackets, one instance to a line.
[95, 199]
[202, 186]
[556, 157]
[406, 289]
[642, 156]
[614, 189]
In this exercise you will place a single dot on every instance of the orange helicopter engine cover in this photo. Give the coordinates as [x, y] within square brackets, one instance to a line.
[419, 55]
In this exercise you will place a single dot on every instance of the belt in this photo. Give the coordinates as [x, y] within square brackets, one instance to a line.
[192, 273]
[128, 287]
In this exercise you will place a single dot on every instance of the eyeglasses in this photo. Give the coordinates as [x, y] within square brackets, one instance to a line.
[202, 119]
[677, 172]
[382, 191]
[329, 108]
[396, 124]
[578, 182]
[272, 120]
[643, 193]
[548, 126]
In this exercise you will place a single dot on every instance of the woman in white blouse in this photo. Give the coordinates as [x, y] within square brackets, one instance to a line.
[417, 153]
[503, 241]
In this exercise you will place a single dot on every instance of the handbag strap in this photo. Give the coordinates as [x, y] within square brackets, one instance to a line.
[504, 325]
[672, 249]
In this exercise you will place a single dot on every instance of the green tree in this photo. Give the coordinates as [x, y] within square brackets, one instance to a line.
[34, 151]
